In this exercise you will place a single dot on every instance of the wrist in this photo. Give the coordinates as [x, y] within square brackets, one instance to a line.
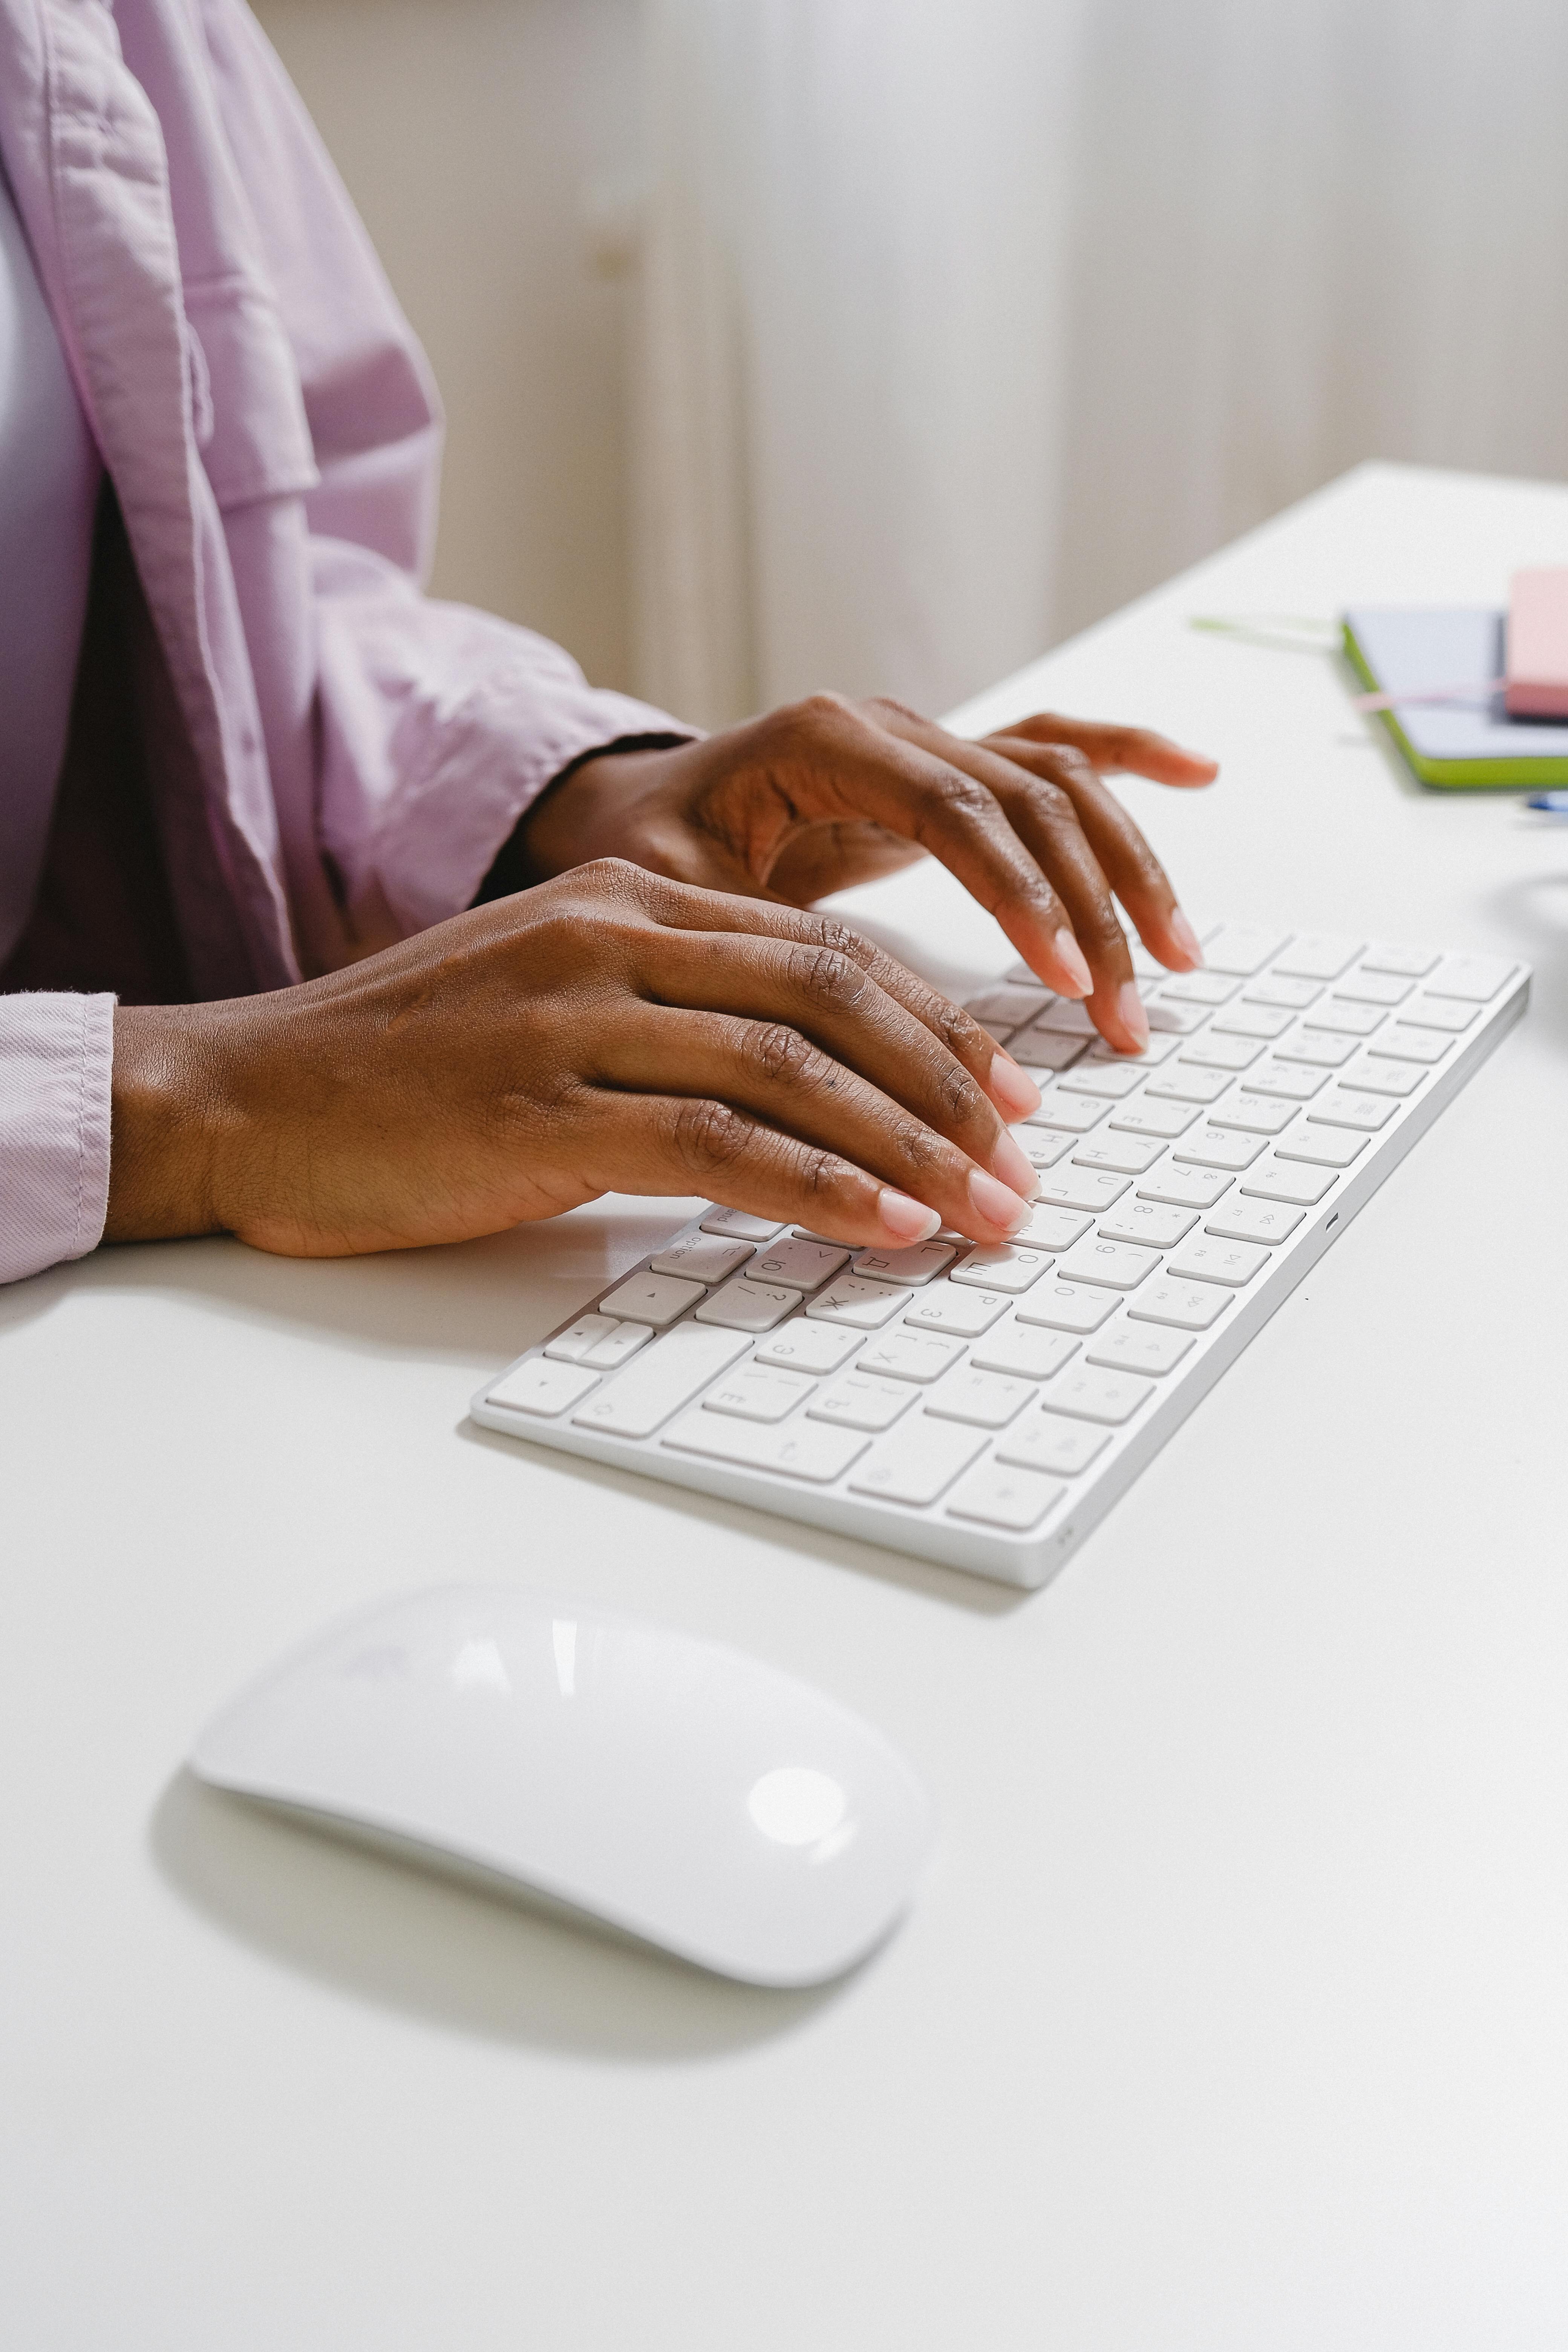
[166, 1115]
[574, 819]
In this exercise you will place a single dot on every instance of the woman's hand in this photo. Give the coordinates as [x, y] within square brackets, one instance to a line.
[609, 1030]
[827, 793]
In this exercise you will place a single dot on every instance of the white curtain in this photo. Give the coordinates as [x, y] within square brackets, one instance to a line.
[962, 321]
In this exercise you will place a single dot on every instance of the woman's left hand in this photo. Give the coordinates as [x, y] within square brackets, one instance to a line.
[826, 792]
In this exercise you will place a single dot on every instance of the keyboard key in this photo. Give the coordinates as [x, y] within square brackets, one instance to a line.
[1044, 1440]
[571, 1346]
[1067, 1015]
[986, 1400]
[1477, 979]
[949, 1307]
[1292, 995]
[656, 1384]
[543, 1388]
[1218, 1146]
[1206, 1260]
[1139, 1348]
[1321, 1145]
[1008, 1007]
[1317, 956]
[1323, 1049]
[1066, 1306]
[906, 1355]
[1186, 1188]
[1148, 1223]
[754, 1392]
[1041, 1148]
[1287, 1179]
[1252, 1021]
[919, 1461]
[864, 1305]
[1125, 1155]
[1007, 1267]
[1349, 1020]
[743, 1305]
[1199, 988]
[1402, 1044]
[1171, 1018]
[807, 1450]
[1053, 1229]
[919, 1264]
[1107, 1081]
[1188, 1305]
[1181, 1085]
[703, 1258]
[1069, 1114]
[1156, 1051]
[1041, 1049]
[860, 1402]
[1254, 1220]
[1254, 1114]
[1211, 1053]
[1084, 1189]
[1118, 1266]
[1291, 1082]
[1235, 948]
[1000, 1497]
[735, 1225]
[1022, 1351]
[656, 1298]
[1343, 1108]
[1449, 1013]
[799, 1264]
[1141, 1116]
[1407, 963]
[1086, 1394]
[1383, 1077]
[1019, 975]
[1364, 987]
[807, 1347]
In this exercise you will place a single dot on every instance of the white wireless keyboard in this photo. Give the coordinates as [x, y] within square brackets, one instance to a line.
[985, 1407]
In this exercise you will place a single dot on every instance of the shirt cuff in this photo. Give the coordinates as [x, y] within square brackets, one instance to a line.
[56, 1063]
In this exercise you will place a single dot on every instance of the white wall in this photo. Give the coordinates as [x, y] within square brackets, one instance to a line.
[476, 137]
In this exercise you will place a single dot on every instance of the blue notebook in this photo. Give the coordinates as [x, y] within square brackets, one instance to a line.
[1468, 742]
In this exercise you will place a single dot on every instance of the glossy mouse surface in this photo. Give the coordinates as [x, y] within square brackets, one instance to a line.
[680, 1791]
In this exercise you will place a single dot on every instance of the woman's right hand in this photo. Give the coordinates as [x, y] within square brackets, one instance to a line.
[609, 1031]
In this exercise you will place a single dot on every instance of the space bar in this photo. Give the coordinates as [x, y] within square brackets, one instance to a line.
[661, 1379]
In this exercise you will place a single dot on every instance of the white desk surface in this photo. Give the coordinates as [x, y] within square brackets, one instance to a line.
[1235, 2013]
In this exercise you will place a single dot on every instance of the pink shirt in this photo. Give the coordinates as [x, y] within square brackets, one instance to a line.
[338, 759]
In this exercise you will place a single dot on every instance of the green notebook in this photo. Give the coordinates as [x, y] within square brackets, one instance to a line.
[1471, 741]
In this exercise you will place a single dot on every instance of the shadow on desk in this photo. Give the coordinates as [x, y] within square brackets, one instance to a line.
[1532, 913]
[451, 1955]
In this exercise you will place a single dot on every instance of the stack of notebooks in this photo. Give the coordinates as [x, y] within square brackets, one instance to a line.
[1476, 697]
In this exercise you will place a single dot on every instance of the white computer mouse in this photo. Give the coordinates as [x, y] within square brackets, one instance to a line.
[673, 1788]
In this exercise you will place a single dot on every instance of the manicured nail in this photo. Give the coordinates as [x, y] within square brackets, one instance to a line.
[1012, 1164]
[997, 1204]
[1186, 938]
[1014, 1092]
[1129, 1004]
[1070, 955]
[905, 1219]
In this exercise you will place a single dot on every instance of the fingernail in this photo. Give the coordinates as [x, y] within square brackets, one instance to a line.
[1186, 938]
[1012, 1089]
[997, 1204]
[1070, 955]
[1129, 1004]
[1012, 1164]
[906, 1220]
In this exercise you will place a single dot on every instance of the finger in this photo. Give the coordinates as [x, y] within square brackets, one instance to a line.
[770, 1073]
[699, 913]
[683, 1143]
[1130, 867]
[817, 1001]
[1044, 819]
[1136, 750]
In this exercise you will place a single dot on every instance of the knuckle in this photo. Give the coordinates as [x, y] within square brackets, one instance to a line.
[826, 931]
[782, 1054]
[706, 1136]
[819, 1171]
[831, 978]
[963, 796]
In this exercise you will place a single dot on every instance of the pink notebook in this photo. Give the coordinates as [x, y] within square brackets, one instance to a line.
[1537, 675]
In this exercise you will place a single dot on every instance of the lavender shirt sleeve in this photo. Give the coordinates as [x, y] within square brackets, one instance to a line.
[55, 1058]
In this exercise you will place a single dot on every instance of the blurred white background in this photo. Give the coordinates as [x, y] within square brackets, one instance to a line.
[880, 343]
